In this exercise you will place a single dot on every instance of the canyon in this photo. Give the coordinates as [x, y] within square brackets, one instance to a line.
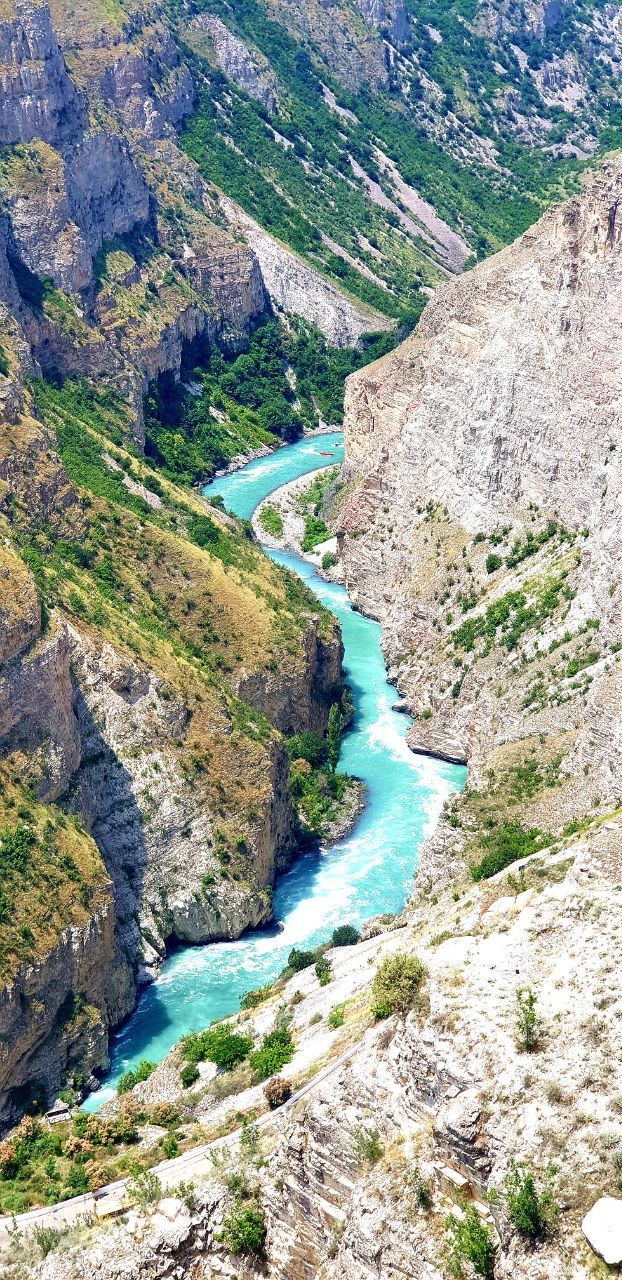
[155, 215]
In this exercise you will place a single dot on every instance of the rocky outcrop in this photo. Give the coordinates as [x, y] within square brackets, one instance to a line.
[55, 1014]
[244, 66]
[295, 287]
[308, 698]
[37, 96]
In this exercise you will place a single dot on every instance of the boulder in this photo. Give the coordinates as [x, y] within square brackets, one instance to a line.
[602, 1228]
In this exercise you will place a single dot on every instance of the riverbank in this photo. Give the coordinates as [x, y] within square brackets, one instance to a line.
[368, 872]
[286, 502]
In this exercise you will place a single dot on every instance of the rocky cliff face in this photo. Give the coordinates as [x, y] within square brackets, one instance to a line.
[167, 766]
[481, 527]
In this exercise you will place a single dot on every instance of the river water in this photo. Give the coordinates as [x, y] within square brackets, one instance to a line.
[369, 872]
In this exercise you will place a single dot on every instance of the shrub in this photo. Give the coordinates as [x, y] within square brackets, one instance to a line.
[277, 1092]
[298, 960]
[271, 520]
[244, 1231]
[531, 1212]
[397, 984]
[308, 746]
[136, 1076]
[510, 842]
[144, 1187]
[48, 1238]
[422, 1189]
[218, 1044]
[345, 935]
[493, 562]
[367, 1145]
[324, 971]
[275, 1050]
[469, 1241]
[251, 999]
[336, 1016]
[189, 1074]
[170, 1146]
[526, 1020]
[329, 560]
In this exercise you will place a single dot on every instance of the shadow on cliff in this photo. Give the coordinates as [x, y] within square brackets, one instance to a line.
[105, 798]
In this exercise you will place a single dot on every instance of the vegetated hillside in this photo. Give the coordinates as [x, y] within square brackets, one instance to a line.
[477, 1121]
[153, 659]
[388, 142]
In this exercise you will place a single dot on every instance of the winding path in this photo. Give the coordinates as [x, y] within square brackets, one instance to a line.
[191, 1164]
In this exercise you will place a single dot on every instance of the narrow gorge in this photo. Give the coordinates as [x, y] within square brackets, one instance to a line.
[310, 636]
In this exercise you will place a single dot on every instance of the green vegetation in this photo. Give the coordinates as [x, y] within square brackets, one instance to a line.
[397, 984]
[244, 1231]
[189, 1075]
[226, 405]
[219, 1044]
[276, 1049]
[506, 844]
[508, 618]
[336, 1017]
[315, 532]
[532, 1212]
[272, 521]
[345, 935]
[144, 1187]
[470, 1248]
[323, 970]
[299, 960]
[368, 1147]
[43, 1166]
[130, 1078]
[527, 1021]
[329, 560]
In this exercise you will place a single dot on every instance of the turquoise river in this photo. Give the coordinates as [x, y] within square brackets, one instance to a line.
[369, 872]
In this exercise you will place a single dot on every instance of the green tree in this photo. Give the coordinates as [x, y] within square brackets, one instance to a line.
[333, 735]
[532, 1212]
[397, 984]
[526, 1020]
[469, 1242]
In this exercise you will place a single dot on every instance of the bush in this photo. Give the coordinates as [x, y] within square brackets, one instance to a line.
[244, 1231]
[144, 1187]
[397, 984]
[507, 844]
[170, 1146]
[275, 1050]
[345, 935]
[531, 1212]
[329, 560]
[219, 1045]
[189, 1074]
[367, 1146]
[48, 1238]
[271, 520]
[277, 1092]
[469, 1241]
[298, 960]
[324, 971]
[526, 1020]
[308, 746]
[336, 1016]
[251, 999]
[140, 1073]
[493, 562]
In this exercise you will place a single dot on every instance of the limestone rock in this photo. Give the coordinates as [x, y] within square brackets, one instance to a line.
[602, 1228]
[246, 67]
